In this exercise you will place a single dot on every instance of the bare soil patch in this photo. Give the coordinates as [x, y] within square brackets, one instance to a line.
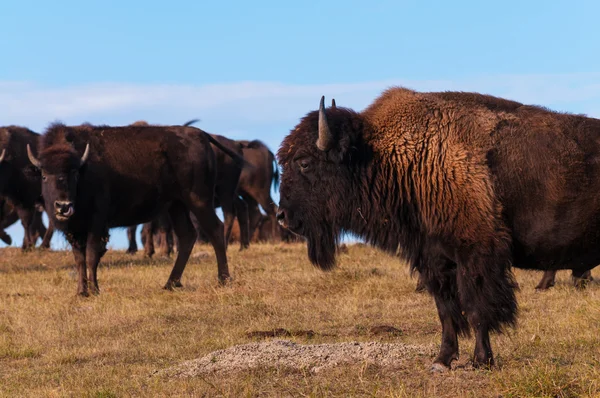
[288, 354]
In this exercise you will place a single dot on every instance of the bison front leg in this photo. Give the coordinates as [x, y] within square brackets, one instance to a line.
[439, 278]
[26, 216]
[79, 250]
[131, 231]
[148, 238]
[547, 281]
[96, 247]
[48, 235]
[229, 217]
[241, 211]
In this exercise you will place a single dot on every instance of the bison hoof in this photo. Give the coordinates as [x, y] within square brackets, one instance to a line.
[224, 279]
[171, 285]
[483, 364]
[83, 294]
[6, 239]
[438, 368]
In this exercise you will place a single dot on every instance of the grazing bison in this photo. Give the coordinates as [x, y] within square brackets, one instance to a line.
[466, 189]
[20, 184]
[100, 177]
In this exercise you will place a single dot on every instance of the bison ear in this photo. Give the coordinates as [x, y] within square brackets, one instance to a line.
[69, 137]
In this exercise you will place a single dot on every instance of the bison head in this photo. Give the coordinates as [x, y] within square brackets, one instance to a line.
[319, 165]
[60, 167]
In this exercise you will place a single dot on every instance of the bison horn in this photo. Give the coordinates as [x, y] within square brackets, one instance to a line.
[2, 155]
[85, 155]
[333, 103]
[32, 158]
[325, 141]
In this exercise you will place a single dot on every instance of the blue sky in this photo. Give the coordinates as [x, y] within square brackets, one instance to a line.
[252, 69]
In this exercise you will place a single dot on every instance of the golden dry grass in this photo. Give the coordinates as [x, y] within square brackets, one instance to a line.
[53, 343]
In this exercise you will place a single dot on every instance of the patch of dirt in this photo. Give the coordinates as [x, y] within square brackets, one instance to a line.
[280, 332]
[287, 354]
[383, 330]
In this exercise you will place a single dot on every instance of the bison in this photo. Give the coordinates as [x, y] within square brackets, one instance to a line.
[100, 177]
[9, 216]
[255, 182]
[20, 184]
[466, 188]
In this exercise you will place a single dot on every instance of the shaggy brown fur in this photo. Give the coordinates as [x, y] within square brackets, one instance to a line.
[20, 183]
[132, 174]
[466, 186]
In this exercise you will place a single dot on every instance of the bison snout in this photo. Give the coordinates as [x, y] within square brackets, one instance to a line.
[63, 209]
[281, 217]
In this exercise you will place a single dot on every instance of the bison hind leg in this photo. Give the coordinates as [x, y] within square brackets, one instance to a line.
[581, 279]
[547, 281]
[186, 235]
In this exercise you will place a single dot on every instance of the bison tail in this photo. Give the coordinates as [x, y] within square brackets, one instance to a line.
[275, 174]
[239, 160]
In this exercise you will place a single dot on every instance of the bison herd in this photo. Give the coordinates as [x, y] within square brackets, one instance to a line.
[464, 186]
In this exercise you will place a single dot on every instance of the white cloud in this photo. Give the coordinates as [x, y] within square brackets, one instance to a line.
[234, 106]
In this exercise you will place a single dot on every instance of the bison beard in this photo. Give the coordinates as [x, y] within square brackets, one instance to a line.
[322, 241]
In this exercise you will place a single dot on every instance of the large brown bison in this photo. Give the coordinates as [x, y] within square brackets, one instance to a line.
[466, 189]
[100, 177]
[20, 184]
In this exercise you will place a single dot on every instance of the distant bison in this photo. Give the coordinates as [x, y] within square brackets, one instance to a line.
[100, 177]
[255, 182]
[20, 184]
[9, 216]
[467, 188]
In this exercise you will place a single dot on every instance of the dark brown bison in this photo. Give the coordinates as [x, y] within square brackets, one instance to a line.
[264, 232]
[255, 182]
[100, 177]
[466, 189]
[20, 184]
[9, 216]
[226, 197]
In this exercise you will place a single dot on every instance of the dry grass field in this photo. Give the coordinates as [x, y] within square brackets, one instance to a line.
[54, 344]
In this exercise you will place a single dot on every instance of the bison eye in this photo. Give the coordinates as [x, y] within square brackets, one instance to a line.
[304, 164]
[44, 178]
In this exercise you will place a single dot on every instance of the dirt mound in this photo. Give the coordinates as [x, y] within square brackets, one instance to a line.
[284, 353]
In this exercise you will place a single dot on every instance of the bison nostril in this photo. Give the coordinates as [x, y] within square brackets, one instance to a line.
[63, 207]
[280, 215]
